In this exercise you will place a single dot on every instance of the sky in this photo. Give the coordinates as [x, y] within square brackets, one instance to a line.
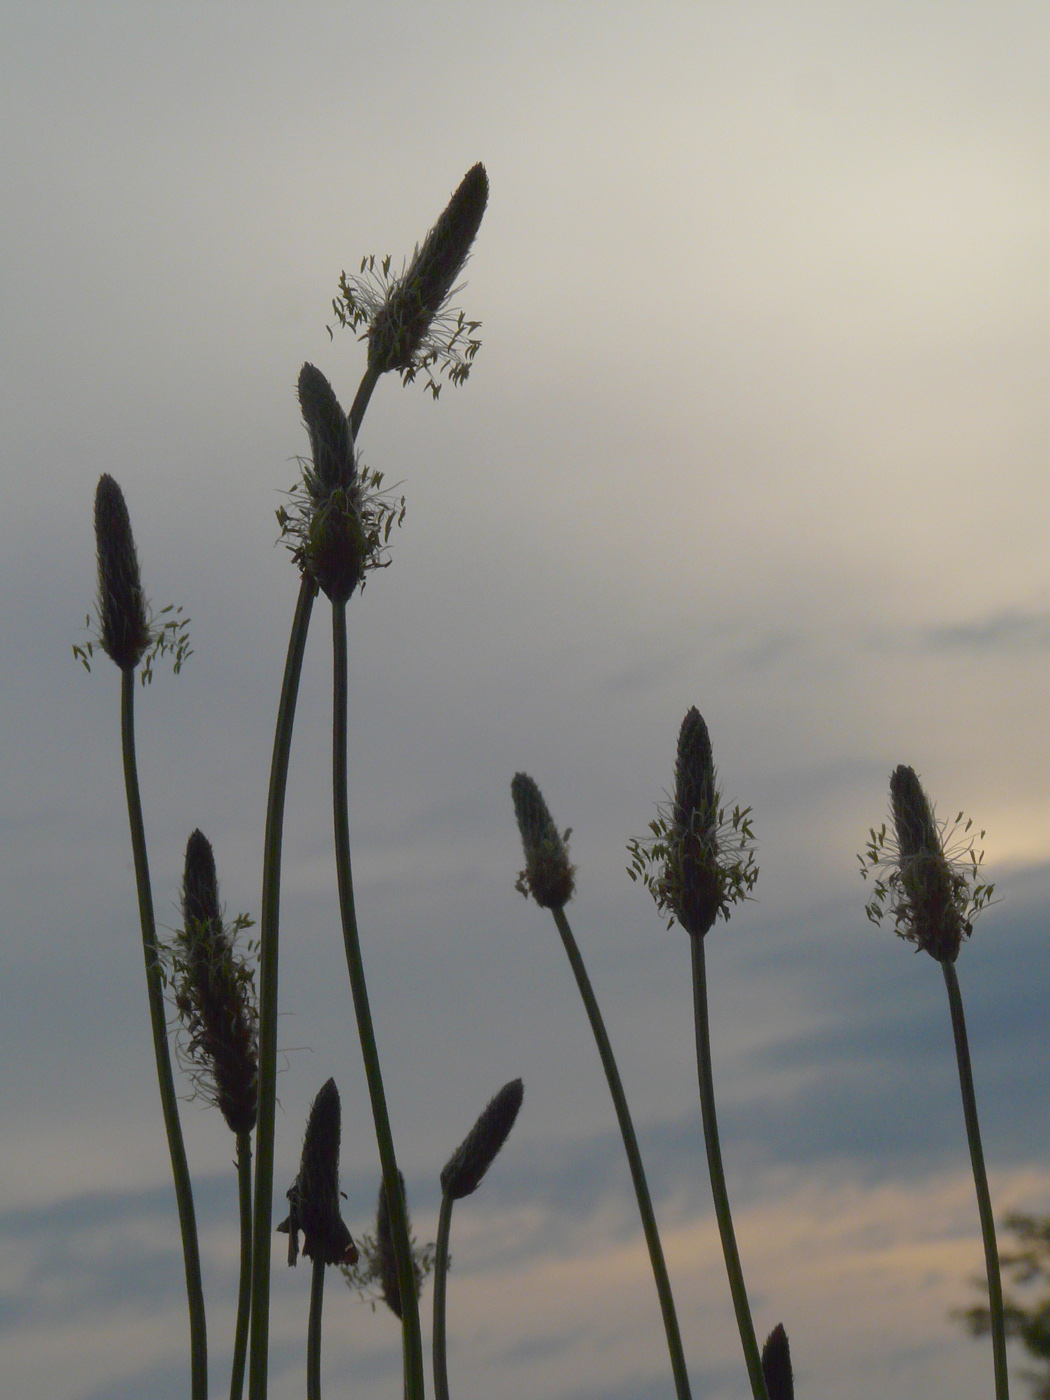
[759, 424]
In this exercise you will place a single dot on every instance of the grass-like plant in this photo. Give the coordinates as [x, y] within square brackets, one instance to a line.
[697, 862]
[928, 881]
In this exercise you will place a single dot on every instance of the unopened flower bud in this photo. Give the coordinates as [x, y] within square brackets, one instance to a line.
[465, 1169]
[548, 876]
[122, 613]
[776, 1365]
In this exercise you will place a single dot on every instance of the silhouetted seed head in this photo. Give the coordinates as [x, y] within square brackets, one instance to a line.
[314, 1195]
[331, 441]
[401, 326]
[214, 995]
[548, 876]
[389, 1284]
[478, 1150]
[122, 613]
[696, 881]
[933, 896]
[776, 1365]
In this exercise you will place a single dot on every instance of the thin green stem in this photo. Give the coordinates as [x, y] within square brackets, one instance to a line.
[244, 1288]
[158, 1021]
[718, 1181]
[313, 1333]
[360, 403]
[440, 1279]
[269, 919]
[634, 1157]
[980, 1181]
[269, 916]
[406, 1278]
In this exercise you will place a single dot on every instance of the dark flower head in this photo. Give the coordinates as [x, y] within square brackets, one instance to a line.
[215, 994]
[548, 875]
[776, 1365]
[699, 861]
[314, 1195]
[406, 317]
[399, 330]
[339, 523]
[124, 630]
[931, 884]
[465, 1169]
[386, 1256]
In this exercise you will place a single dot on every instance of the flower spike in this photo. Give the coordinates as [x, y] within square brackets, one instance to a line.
[548, 876]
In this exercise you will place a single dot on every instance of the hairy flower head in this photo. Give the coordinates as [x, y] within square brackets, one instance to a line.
[124, 631]
[927, 874]
[548, 875]
[215, 994]
[699, 860]
[467, 1166]
[314, 1195]
[407, 324]
[339, 523]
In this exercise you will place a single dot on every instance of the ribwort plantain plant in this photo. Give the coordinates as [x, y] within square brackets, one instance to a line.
[697, 863]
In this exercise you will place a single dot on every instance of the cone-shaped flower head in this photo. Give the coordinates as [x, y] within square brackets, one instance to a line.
[339, 523]
[548, 876]
[929, 878]
[400, 329]
[929, 888]
[122, 612]
[331, 441]
[214, 994]
[776, 1365]
[478, 1150]
[386, 1258]
[335, 547]
[696, 881]
[314, 1195]
[699, 861]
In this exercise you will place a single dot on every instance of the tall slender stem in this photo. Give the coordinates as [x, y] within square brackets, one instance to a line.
[634, 1157]
[980, 1181]
[313, 1331]
[718, 1181]
[269, 917]
[440, 1281]
[410, 1329]
[158, 1021]
[244, 1287]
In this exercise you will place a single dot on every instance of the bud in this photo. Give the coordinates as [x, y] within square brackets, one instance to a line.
[122, 614]
[401, 326]
[776, 1365]
[933, 896]
[331, 441]
[214, 994]
[314, 1195]
[386, 1258]
[465, 1169]
[548, 876]
[697, 880]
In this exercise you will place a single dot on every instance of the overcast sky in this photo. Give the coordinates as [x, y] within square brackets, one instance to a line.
[759, 424]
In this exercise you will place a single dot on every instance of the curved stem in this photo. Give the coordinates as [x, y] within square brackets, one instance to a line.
[440, 1277]
[980, 1181]
[718, 1181]
[313, 1332]
[268, 941]
[406, 1278]
[244, 1288]
[634, 1157]
[158, 1021]
[360, 403]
